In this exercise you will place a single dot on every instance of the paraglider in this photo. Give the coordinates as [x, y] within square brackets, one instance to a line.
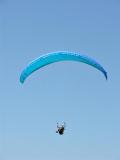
[56, 57]
[53, 57]
[61, 129]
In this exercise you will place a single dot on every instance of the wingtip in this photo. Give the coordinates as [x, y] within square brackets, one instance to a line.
[21, 80]
[106, 76]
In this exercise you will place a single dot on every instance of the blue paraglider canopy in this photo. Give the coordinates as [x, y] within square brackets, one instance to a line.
[56, 57]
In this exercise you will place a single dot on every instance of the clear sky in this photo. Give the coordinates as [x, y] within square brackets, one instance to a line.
[66, 91]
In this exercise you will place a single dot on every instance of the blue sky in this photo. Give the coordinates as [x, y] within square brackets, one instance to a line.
[65, 91]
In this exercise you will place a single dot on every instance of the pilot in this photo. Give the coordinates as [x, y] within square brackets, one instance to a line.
[60, 129]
